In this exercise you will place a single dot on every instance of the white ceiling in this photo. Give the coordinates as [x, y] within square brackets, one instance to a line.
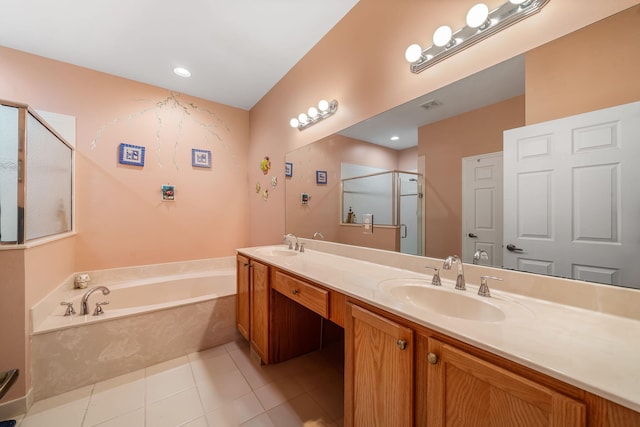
[236, 50]
[487, 87]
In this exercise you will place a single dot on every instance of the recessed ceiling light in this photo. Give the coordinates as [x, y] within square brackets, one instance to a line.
[394, 138]
[182, 72]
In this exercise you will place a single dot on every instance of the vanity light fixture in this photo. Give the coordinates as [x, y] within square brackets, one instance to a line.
[481, 23]
[314, 114]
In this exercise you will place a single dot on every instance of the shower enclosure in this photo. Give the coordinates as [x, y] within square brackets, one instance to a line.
[394, 200]
[35, 176]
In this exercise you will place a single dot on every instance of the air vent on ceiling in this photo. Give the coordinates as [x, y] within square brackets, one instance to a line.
[433, 103]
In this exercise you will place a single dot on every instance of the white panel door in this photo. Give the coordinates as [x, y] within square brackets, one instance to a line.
[566, 183]
[482, 207]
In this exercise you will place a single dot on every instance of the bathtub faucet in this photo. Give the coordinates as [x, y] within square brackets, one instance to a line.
[84, 307]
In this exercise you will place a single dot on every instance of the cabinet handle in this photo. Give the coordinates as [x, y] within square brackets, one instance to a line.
[295, 291]
[432, 358]
[402, 344]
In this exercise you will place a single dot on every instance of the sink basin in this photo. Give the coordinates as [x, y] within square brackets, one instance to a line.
[451, 303]
[276, 252]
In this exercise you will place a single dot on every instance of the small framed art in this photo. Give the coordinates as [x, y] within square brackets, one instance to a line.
[200, 158]
[288, 169]
[321, 177]
[131, 155]
[168, 193]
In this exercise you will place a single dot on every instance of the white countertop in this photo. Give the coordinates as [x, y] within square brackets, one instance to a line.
[592, 350]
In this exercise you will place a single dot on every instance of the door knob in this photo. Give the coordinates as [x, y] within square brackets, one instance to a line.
[472, 235]
[512, 248]
[402, 344]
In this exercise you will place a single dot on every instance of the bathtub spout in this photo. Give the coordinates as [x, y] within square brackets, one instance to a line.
[84, 307]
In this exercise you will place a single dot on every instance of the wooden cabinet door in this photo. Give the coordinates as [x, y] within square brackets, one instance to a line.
[243, 295]
[259, 317]
[463, 390]
[378, 371]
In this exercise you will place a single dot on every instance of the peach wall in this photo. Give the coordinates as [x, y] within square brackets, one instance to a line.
[13, 319]
[444, 144]
[323, 211]
[360, 62]
[601, 71]
[120, 217]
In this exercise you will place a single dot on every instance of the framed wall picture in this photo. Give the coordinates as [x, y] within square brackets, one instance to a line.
[168, 193]
[321, 177]
[288, 169]
[131, 155]
[200, 158]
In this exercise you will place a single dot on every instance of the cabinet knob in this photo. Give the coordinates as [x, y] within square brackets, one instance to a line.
[402, 344]
[295, 291]
[432, 358]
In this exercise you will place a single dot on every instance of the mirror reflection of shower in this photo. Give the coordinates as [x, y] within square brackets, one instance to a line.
[393, 197]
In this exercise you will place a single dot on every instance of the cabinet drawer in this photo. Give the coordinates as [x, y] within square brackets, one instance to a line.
[310, 296]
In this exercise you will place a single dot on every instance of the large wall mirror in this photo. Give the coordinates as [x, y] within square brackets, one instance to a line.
[454, 140]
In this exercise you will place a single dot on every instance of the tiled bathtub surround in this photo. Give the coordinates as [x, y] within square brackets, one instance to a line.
[68, 353]
[221, 387]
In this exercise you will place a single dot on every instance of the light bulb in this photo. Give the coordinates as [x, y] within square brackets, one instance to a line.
[517, 1]
[182, 72]
[394, 138]
[477, 15]
[294, 122]
[323, 105]
[313, 112]
[413, 53]
[442, 36]
[302, 118]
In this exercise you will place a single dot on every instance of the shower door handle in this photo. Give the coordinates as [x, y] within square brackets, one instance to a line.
[404, 235]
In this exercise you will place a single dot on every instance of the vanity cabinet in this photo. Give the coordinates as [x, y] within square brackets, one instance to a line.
[243, 273]
[378, 370]
[259, 309]
[465, 390]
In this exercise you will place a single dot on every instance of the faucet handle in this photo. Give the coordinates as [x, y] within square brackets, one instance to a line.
[302, 247]
[435, 280]
[69, 311]
[484, 288]
[98, 311]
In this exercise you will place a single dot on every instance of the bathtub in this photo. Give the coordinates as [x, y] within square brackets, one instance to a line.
[155, 313]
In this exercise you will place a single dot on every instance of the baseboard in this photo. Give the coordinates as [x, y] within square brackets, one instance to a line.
[16, 407]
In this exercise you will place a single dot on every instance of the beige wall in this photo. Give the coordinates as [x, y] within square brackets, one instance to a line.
[13, 319]
[444, 144]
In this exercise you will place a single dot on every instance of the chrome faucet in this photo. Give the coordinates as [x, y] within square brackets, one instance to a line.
[84, 308]
[480, 254]
[286, 238]
[460, 283]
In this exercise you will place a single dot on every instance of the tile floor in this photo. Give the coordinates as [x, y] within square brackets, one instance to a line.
[218, 387]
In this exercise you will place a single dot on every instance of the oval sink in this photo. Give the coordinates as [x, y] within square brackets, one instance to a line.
[276, 252]
[448, 303]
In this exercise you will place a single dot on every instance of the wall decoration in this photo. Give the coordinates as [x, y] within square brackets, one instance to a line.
[168, 193]
[288, 169]
[274, 181]
[200, 158]
[265, 165]
[131, 155]
[265, 195]
[258, 187]
[321, 177]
